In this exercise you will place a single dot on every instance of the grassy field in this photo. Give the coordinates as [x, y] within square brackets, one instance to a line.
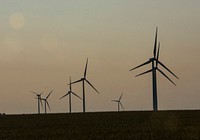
[163, 125]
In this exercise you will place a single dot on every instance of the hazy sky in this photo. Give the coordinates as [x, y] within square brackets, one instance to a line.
[42, 43]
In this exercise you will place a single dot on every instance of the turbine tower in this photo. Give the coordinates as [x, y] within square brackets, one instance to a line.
[83, 80]
[46, 103]
[155, 61]
[70, 92]
[119, 102]
[39, 99]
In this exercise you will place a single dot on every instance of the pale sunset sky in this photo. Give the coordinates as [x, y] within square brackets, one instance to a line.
[42, 43]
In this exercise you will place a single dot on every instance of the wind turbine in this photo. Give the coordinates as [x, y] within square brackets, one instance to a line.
[39, 99]
[154, 60]
[46, 103]
[119, 102]
[83, 80]
[70, 92]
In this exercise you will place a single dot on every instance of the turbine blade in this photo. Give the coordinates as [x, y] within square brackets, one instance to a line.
[64, 96]
[141, 65]
[41, 92]
[70, 81]
[41, 102]
[143, 73]
[76, 95]
[167, 69]
[115, 100]
[75, 82]
[48, 106]
[158, 55]
[155, 43]
[86, 68]
[121, 105]
[120, 96]
[166, 76]
[92, 86]
[49, 94]
[34, 92]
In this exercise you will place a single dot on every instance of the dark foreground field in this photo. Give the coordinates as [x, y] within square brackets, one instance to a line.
[164, 125]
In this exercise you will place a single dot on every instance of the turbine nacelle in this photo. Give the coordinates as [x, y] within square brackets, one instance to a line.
[152, 59]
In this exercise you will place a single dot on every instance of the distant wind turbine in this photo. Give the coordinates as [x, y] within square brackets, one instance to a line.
[39, 99]
[155, 63]
[83, 80]
[46, 103]
[69, 93]
[119, 102]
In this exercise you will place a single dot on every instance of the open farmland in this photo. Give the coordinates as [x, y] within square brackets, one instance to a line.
[165, 125]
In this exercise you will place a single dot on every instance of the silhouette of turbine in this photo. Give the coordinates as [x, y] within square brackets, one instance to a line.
[46, 103]
[155, 63]
[39, 99]
[83, 80]
[119, 102]
[69, 93]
